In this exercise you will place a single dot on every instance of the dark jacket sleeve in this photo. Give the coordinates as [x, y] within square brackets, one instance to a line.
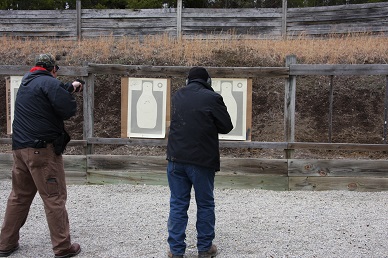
[222, 118]
[62, 101]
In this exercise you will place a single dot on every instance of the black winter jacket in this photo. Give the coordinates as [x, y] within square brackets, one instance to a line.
[42, 104]
[198, 115]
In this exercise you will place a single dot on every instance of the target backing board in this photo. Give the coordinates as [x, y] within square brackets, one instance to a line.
[12, 85]
[237, 96]
[145, 107]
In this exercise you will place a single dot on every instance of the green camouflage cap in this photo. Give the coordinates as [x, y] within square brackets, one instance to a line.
[46, 60]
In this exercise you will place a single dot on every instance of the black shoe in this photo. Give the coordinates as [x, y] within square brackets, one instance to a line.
[6, 253]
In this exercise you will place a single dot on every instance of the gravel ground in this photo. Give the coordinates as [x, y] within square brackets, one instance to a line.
[130, 221]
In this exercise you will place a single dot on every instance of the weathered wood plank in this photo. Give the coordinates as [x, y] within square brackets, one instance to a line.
[75, 168]
[37, 14]
[337, 146]
[181, 71]
[266, 182]
[230, 144]
[23, 20]
[235, 173]
[115, 169]
[127, 13]
[338, 168]
[350, 7]
[6, 162]
[251, 166]
[325, 20]
[40, 28]
[38, 34]
[64, 71]
[132, 24]
[289, 106]
[71, 143]
[312, 175]
[198, 22]
[126, 177]
[126, 163]
[163, 142]
[247, 13]
[339, 69]
[361, 184]
[157, 178]
[237, 22]
[230, 32]
[108, 32]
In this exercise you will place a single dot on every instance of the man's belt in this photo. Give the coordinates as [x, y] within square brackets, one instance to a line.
[39, 144]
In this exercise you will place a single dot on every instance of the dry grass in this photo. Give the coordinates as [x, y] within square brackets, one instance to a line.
[165, 50]
[358, 100]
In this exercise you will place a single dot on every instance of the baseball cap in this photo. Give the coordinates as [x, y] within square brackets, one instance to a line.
[45, 60]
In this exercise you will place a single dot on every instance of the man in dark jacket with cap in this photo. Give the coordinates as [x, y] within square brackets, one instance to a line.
[198, 115]
[38, 140]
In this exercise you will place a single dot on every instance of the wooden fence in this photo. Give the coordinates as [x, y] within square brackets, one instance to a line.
[274, 23]
[276, 174]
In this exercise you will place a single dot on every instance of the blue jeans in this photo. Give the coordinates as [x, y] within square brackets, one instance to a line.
[181, 177]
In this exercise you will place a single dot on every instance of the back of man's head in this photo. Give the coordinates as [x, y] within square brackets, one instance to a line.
[45, 60]
[198, 73]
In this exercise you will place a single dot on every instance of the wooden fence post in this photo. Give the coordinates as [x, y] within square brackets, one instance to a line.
[289, 107]
[179, 20]
[284, 19]
[79, 13]
[88, 108]
[331, 98]
[385, 110]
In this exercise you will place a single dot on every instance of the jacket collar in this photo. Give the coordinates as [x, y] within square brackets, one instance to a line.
[202, 82]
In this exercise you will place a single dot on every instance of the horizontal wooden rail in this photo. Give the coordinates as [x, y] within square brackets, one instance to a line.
[230, 144]
[337, 146]
[63, 71]
[270, 174]
[339, 69]
[71, 143]
[181, 71]
[127, 141]
[250, 144]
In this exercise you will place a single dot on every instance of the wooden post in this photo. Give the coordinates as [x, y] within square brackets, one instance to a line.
[179, 20]
[331, 97]
[284, 19]
[385, 110]
[88, 108]
[79, 13]
[289, 107]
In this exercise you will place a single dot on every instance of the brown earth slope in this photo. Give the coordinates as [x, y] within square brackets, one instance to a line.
[358, 108]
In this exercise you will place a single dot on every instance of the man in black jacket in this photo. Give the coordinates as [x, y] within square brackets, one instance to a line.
[38, 140]
[198, 115]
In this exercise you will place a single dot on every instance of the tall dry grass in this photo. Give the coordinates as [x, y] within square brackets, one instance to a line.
[166, 50]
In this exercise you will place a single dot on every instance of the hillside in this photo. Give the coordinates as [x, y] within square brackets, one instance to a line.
[358, 114]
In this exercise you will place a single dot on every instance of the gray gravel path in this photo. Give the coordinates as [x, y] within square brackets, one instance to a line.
[130, 221]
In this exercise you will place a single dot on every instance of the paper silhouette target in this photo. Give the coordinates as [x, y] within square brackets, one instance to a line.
[237, 96]
[12, 87]
[144, 109]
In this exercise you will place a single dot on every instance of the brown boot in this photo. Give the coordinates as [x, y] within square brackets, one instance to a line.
[72, 251]
[6, 253]
[212, 252]
[170, 255]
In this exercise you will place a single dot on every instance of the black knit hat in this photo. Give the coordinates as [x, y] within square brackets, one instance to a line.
[198, 73]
